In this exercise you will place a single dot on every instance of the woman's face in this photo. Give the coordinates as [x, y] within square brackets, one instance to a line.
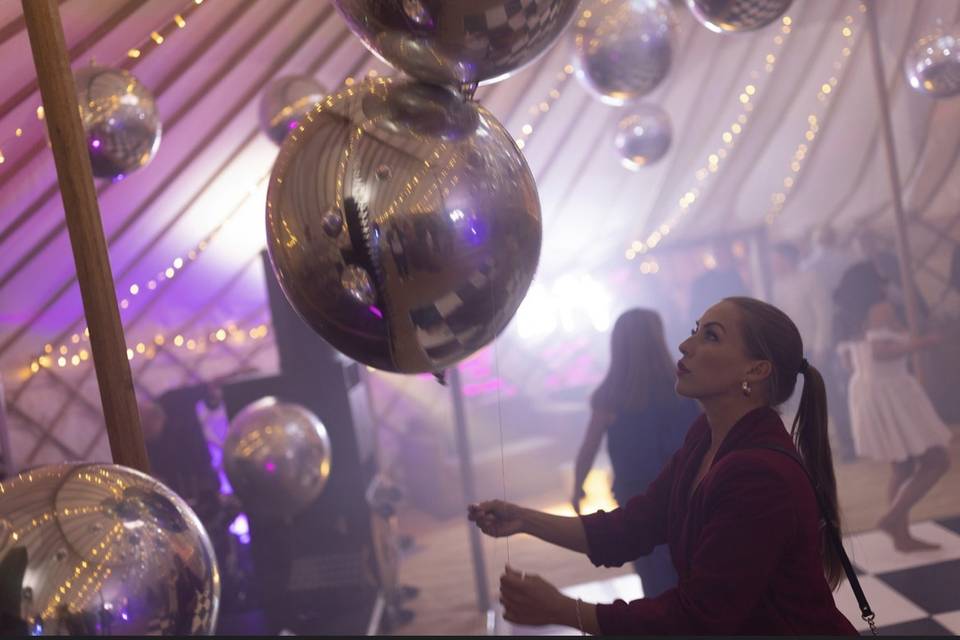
[715, 361]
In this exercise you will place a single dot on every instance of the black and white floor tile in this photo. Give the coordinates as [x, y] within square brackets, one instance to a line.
[916, 594]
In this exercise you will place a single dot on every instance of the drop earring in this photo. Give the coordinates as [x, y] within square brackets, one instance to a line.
[745, 387]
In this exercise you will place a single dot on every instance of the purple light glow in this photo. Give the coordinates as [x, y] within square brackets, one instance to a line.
[124, 616]
[95, 143]
[375, 311]
[269, 466]
[240, 527]
[293, 125]
[479, 388]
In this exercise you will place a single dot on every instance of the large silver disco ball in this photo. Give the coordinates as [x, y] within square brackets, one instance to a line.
[457, 41]
[933, 63]
[285, 102]
[277, 457]
[120, 119]
[100, 549]
[403, 224]
[643, 137]
[623, 48]
[730, 16]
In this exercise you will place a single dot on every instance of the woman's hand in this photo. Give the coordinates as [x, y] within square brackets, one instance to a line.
[531, 600]
[578, 495]
[497, 518]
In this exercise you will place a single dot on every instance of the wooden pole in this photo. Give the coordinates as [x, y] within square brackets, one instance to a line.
[59, 94]
[893, 173]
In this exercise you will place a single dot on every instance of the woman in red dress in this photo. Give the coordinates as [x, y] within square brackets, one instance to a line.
[741, 519]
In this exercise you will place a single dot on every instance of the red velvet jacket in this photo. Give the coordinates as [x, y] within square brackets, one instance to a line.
[746, 544]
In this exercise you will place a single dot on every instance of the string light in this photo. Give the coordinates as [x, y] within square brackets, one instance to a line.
[780, 197]
[148, 349]
[139, 290]
[746, 99]
[543, 105]
[148, 44]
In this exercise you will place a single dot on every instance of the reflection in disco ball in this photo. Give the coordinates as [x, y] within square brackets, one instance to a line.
[403, 224]
[623, 48]
[120, 119]
[731, 16]
[100, 549]
[277, 457]
[285, 102]
[461, 41]
[643, 137]
[933, 63]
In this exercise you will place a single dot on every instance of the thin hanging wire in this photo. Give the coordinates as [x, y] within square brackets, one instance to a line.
[496, 369]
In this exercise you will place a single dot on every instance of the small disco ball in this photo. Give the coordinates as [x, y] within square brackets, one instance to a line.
[455, 42]
[285, 102]
[643, 137]
[120, 119]
[403, 224]
[933, 63]
[623, 48]
[731, 16]
[100, 549]
[277, 457]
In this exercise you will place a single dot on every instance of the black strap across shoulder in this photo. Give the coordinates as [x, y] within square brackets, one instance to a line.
[833, 535]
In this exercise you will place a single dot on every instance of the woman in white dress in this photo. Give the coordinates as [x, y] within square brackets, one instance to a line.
[893, 420]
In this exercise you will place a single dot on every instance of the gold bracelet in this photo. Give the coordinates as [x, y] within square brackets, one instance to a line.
[579, 619]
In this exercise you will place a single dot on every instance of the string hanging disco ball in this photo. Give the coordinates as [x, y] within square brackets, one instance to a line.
[643, 137]
[623, 48]
[933, 63]
[100, 549]
[285, 102]
[403, 224]
[455, 42]
[120, 119]
[277, 457]
[733, 16]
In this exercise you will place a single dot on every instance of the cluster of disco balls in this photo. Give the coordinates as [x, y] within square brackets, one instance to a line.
[403, 222]
[623, 51]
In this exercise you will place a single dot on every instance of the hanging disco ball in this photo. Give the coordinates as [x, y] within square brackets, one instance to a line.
[100, 549]
[277, 457]
[623, 48]
[120, 119]
[457, 42]
[933, 63]
[731, 16]
[285, 102]
[403, 224]
[643, 137]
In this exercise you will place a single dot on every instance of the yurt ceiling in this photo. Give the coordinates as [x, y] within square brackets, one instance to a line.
[776, 130]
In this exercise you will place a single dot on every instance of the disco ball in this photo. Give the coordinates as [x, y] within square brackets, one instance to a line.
[731, 16]
[933, 63]
[403, 224]
[100, 549]
[457, 41]
[120, 119]
[285, 102]
[643, 137]
[277, 457]
[623, 49]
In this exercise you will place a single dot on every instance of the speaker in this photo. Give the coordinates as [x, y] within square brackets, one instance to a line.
[319, 572]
